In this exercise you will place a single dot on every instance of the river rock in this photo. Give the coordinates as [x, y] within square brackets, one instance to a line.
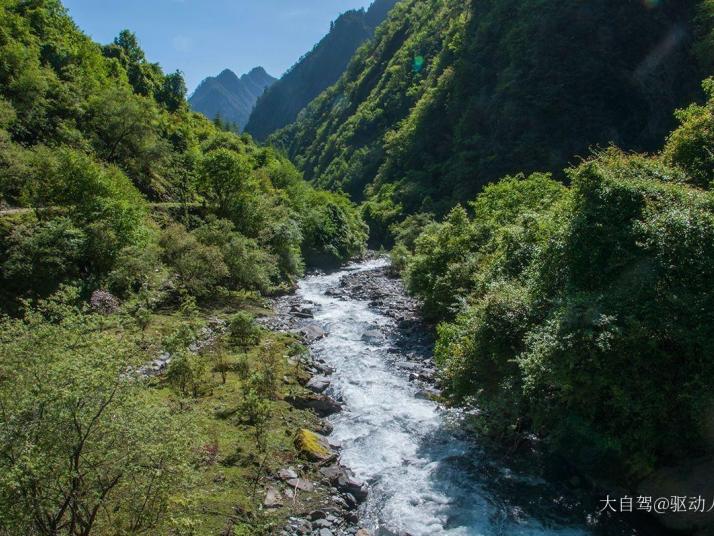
[318, 384]
[331, 473]
[300, 526]
[315, 447]
[317, 514]
[347, 482]
[373, 336]
[351, 501]
[312, 333]
[323, 405]
[273, 498]
[323, 367]
[344, 480]
[362, 532]
[325, 532]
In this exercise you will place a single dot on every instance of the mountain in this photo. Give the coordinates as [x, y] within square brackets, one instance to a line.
[231, 97]
[453, 94]
[316, 70]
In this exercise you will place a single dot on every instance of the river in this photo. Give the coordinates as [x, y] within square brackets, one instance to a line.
[426, 477]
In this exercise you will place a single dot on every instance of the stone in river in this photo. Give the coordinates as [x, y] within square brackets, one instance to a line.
[355, 487]
[318, 384]
[323, 405]
[373, 336]
[312, 333]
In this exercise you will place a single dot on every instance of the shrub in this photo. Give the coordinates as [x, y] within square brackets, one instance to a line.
[187, 373]
[243, 331]
[137, 268]
[332, 229]
[689, 146]
[200, 268]
[41, 255]
[586, 313]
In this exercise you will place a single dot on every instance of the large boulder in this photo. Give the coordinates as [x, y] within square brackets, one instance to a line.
[301, 484]
[345, 480]
[313, 446]
[323, 405]
[312, 333]
[318, 384]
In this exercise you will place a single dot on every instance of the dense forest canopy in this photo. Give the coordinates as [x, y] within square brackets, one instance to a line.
[583, 313]
[451, 95]
[91, 135]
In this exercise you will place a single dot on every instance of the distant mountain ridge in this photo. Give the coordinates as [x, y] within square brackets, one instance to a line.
[230, 97]
[317, 70]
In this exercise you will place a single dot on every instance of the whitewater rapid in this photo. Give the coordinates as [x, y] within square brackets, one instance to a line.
[426, 478]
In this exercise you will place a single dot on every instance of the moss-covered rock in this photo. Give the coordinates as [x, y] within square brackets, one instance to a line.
[313, 446]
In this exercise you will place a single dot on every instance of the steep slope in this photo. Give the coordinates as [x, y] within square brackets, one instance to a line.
[451, 95]
[230, 97]
[316, 71]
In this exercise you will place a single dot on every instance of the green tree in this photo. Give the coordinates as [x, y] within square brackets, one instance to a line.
[173, 92]
[691, 146]
[222, 176]
[243, 332]
[200, 267]
[83, 450]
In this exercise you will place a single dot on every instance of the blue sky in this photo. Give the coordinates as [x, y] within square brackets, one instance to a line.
[203, 37]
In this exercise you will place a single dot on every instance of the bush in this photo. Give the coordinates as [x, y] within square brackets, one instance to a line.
[137, 268]
[332, 229]
[187, 373]
[39, 256]
[200, 268]
[689, 146]
[250, 265]
[243, 331]
[586, 313]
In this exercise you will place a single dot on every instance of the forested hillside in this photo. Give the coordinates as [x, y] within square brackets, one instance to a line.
[317, 70]
[91, 134]
[137, 241]
[229, 99]
[451, 95]
[583, 313]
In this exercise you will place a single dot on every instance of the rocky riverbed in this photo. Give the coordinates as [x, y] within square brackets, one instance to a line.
[403, 336]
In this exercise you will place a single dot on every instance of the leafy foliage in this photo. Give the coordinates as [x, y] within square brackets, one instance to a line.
[584, 312]
[83, 449]
[93, 137]
[690, 145]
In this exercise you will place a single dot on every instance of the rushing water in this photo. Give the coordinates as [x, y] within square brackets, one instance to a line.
[425, 477]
